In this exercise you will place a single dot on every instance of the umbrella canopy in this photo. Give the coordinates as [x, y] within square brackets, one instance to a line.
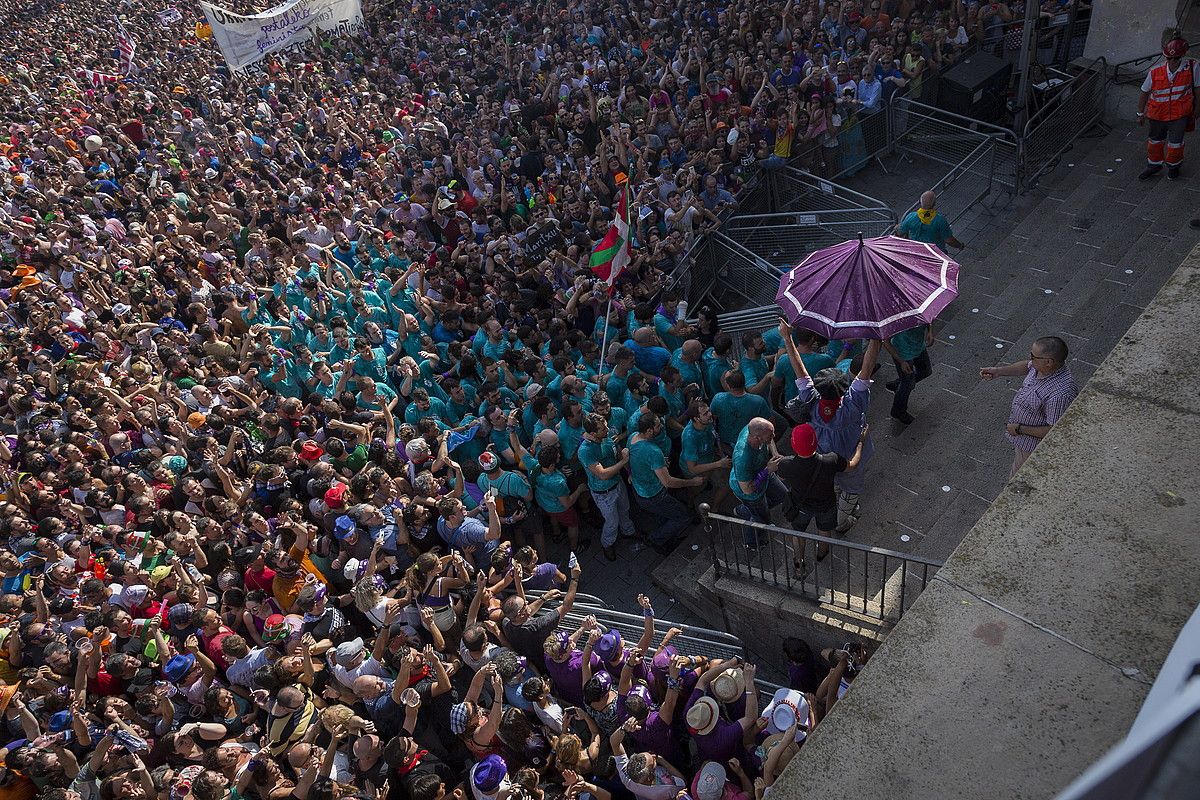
[872, 288]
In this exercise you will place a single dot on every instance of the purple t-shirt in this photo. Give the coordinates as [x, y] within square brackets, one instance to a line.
[721, 743]
[655, 736]
[567, 676]
[544, 577]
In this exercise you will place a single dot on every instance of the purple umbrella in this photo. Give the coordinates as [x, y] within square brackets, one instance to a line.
[871, 288]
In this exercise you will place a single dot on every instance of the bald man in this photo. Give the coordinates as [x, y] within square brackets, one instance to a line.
[648, 353]
[927, 225]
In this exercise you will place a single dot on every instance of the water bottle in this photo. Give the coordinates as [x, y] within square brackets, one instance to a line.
[681, 312]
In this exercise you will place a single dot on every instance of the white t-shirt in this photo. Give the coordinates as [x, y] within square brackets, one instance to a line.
[241, 671]
[346, 677]
[551, 716]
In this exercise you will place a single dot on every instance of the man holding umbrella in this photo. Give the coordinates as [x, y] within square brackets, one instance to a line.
[839, 416]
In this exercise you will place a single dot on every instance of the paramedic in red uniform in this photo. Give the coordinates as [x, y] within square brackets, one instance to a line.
[1169, 101]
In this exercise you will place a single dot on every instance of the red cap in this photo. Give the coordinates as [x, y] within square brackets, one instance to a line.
[804, 440]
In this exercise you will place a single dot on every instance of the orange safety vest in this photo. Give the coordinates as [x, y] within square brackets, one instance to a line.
[1171, 99]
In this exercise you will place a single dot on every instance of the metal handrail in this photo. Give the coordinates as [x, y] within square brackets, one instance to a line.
[705, 511]
[580, 598]
[871, 581]
[1157, 54]
[789, 217]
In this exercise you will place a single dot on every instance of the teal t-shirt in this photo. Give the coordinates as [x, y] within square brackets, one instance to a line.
[548, 487]
[691, 373]
[603, 453]
[569, 438]
[662, 326]
[436, 410]
[733, 413]
[754, 370]
[910, 343]
[935, 232]
[663, 439]
[747, 463]
[813, 363]
[644, 458]
[697, 446]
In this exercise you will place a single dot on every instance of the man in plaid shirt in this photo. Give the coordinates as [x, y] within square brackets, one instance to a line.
[1048, 388]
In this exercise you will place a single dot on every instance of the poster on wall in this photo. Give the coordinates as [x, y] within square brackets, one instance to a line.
[246, 40]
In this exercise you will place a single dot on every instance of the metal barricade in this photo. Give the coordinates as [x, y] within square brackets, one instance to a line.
[877, 583]
[717, 259]
[1056, 126]
[862, 138]
[949, 138]
[785, 239]
[798, 190]
[966, 183]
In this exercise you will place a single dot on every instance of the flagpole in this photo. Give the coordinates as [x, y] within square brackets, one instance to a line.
[604, 339]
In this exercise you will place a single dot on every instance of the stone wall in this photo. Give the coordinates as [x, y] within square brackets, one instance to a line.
[1031, 651]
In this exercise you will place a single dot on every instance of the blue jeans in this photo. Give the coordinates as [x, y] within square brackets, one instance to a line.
[905, 382]
[614, 507]
[760, 509]
[668, 516]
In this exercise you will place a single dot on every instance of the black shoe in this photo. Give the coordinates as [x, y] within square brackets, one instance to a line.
[610, 552]
[903, 416]
[1150, 171]
[892, 386]
[1172, 173]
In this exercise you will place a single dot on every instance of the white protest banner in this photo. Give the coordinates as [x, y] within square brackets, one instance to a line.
[245, 40]
[169, 15]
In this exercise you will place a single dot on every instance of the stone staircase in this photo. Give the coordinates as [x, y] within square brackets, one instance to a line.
[1079, 258]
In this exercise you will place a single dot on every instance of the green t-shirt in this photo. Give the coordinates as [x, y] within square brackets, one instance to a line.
[354, 460]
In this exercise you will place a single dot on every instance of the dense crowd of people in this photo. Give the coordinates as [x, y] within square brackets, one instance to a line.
[306, 414]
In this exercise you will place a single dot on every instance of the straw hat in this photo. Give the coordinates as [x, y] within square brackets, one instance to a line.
[702, 717]
[729, 685]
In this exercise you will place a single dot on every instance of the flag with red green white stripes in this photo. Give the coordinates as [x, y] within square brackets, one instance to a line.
[612, 254]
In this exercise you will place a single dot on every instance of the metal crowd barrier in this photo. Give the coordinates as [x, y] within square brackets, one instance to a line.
[967, 182]
[784, 239]
[871, 581]
[1055, 127]
[693, 641]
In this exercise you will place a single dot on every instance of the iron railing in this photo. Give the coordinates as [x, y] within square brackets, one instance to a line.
[871, 581]
[1055, 127]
